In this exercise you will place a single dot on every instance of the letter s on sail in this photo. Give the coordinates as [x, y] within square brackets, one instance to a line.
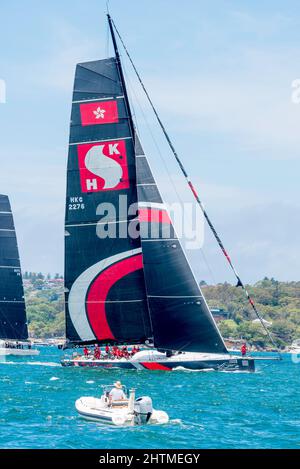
[103, 166]
[79, 293]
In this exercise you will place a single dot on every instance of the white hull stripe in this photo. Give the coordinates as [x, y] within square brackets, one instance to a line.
[78, 292]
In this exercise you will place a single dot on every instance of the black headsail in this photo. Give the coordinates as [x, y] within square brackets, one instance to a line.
[13, 323]
[105, 290]
[180, 316]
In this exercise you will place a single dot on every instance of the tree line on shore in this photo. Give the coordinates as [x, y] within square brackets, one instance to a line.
[277, 302]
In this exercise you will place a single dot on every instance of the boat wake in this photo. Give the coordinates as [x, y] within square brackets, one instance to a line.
[52, 364]
[182, 368]
[175, 422]
[186, 424]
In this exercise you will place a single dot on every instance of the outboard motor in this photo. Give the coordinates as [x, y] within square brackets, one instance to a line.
[143, 410]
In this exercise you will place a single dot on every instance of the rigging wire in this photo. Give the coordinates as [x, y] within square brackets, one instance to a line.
[195, 194]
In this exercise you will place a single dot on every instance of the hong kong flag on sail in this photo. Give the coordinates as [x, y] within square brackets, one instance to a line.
[99, 112]
[103, 166]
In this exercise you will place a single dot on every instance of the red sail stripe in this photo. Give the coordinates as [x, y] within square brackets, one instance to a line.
[99, 290]
[153, 215]
[155, 366]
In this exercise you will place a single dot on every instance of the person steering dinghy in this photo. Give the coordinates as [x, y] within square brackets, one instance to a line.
[117, 394]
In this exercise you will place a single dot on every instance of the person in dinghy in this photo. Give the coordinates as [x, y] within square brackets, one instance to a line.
[117, 394]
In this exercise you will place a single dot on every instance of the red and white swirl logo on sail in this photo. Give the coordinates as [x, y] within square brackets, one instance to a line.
[88, 295]
[103, 166]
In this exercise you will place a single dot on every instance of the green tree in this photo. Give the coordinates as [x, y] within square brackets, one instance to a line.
[228, 328]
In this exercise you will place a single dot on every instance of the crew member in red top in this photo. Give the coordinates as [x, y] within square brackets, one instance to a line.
[97, 352]
[86, 351]
[244, 349]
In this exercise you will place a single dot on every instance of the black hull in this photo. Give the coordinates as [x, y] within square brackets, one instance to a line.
[230, 364]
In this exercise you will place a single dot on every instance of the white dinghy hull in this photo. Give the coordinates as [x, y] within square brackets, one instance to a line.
[122, 414]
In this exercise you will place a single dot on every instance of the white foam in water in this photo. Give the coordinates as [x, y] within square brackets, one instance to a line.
[30, 363]
[54, 378]
[90, 381]
[182, 368]
[43, 364]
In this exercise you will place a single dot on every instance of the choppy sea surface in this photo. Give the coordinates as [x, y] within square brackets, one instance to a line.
[206, 409]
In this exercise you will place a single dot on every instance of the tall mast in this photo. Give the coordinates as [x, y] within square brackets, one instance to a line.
[126, 99]
[119, 66]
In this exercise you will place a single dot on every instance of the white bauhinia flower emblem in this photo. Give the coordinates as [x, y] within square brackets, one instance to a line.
[99, 113]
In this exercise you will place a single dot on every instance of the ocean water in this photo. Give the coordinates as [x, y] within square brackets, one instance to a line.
[206, 409]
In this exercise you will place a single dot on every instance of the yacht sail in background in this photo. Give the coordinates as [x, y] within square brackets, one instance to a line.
[13, 322]
[122, 286]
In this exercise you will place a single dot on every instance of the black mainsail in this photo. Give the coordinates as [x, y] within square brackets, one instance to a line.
[13, 324]
[105, 291]
[120, 285]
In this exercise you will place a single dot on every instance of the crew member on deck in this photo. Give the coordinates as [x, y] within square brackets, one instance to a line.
[97, 353]
[125, 351]
[86, 352]
[243, 349]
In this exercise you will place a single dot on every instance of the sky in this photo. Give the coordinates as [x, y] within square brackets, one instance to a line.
[220, 74]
